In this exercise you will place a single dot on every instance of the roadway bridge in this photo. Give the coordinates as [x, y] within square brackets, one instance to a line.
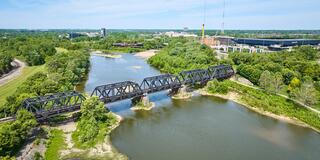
[52, 105]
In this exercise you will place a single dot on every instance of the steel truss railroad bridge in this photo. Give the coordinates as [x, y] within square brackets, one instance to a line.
[44, 107]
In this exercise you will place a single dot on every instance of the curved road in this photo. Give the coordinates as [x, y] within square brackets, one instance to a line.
[17, 70]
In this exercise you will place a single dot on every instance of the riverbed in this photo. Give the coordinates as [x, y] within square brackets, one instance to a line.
[198, 128]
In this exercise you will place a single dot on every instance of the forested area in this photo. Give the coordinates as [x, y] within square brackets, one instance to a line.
[294, 73]
[5, 62]
[34, 50]
[183, 54]
[94, 123]
[106, 44]
[13, 134]
[63, 71]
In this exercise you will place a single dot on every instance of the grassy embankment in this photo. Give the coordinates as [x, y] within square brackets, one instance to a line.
[10, 87]
[266, 102]
[55, 144]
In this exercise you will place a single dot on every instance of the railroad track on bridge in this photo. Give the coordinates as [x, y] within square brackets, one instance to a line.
[47, 106]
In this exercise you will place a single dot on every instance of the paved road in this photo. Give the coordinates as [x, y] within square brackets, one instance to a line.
[18, 67]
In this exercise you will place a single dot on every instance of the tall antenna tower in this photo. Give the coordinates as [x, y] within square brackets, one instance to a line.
[204, 19]
[223, 15]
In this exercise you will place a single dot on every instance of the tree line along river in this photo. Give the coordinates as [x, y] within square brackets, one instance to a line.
[198, 128]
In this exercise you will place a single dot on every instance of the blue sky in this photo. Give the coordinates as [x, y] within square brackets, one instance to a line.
[162, 14]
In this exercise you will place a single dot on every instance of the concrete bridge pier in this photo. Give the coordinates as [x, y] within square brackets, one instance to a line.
[141, 100]
[180, 93]
[174, 91]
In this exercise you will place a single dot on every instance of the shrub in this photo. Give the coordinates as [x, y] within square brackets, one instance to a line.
[217, 87]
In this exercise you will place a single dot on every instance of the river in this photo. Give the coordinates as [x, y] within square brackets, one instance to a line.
[203, 128]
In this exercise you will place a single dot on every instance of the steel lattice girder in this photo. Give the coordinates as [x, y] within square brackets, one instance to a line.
[117, 91]
[160, 83]
[221, 71]
[194, 76]
[53, 103]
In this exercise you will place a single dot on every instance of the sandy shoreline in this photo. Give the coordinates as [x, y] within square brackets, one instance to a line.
[147, 54]
[108, 55]
[102, 149]
[235, 97]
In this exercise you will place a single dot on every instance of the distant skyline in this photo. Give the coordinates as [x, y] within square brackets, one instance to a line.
[159, 14]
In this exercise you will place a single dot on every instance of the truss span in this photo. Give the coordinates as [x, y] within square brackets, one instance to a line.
[195, 76]
[50, 105]
[221, 71]
[117, 91]
[160, 83]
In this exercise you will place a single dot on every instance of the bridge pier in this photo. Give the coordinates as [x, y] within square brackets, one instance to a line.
[174, 91]
[181, 93]
[141, 102]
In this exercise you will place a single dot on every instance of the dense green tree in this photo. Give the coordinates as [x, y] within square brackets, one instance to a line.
[306, 93]
[277, 82]
[5, 62]
[182, 54]
[92, 111]
[249, 72]
[217, 87]
[265, 80]
[34, 58]
[295, 66]
[288, 75]
[13, 134]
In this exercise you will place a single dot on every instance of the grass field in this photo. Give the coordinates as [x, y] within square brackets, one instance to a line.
[10, 87]
[55, 144]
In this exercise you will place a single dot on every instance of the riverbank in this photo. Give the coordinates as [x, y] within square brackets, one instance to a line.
[103, 54]
[147, 54]
[238, 98]
[102, 150]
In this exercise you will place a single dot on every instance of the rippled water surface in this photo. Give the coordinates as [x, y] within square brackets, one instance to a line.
[200, 128]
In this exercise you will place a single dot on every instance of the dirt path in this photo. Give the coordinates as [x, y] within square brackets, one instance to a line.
[17, 70]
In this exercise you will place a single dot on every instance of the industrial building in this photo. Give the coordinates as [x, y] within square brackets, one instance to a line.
[278, 42]
[227, 44]
[74, 35]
